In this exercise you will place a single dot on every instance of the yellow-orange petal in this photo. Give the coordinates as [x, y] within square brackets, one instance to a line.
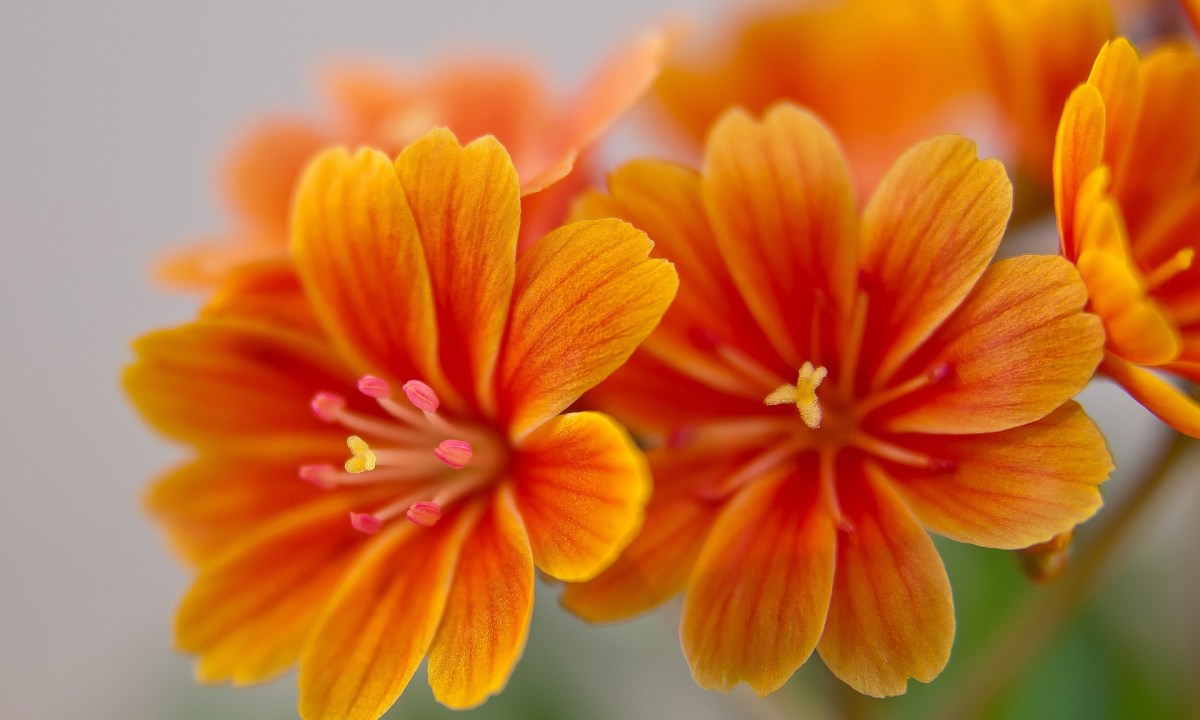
[262, 170]
[929, 232]
[204, 263]
[758, 596]
[581, 487]
[1014, 488]
[1018, 347]
[610, 91]
[359, 257]
[1167, 402]
[264, 292]
[585, 296]
[891, 617]
[1078, 151]
[251, 609]
[1118, 78]
[381, 620]
[210, 503]
[235, 389]
[658, 562]
[780, 199]
[467, 207]
[486, 621]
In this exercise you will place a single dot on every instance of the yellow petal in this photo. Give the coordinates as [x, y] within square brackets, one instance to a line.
[359, 257]
[891, 616]
[1078, 151]
[581, 487]
[1019, 347]
[929, 232]
[779, 196]
[1015, 488]
[466, 205]
[586, 295]
[760, 590]
[380, 622]
[487, 614]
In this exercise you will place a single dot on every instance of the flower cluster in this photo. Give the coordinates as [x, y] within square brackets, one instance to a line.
[437, 351]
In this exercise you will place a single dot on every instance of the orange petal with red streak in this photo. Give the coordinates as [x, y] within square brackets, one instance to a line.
[209, 504]
[467, 208]
[251, 609]
[929, 232]
[779, 196]
[487, 614]
[891, 617]
[759, 593]
[1167, 402]
[235, 389]
[1015, 488]
[585, 296]
[381, 620]
[1019, 347]
[581, 488]
[360, 259]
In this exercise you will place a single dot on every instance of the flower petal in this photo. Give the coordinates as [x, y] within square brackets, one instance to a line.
[1015, 488]
[658, 562]
[891, 616]
[262, 170]
[611, 90]
[1078, 151]
[467, 207]
[378, 625]
[210, 503]
[1019, 347]
[250, 610]
[586, 295]
[1118, 77]
[581, 487]
[359, 257]
[235, 389]
[265, 292]
[1167, 402]
[487, 614]
[929, 232]
[760, 590]
[780, 200]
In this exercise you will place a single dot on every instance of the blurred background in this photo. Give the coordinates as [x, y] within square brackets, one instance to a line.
[114, 117]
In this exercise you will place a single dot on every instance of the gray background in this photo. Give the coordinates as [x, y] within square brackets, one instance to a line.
[113, 117]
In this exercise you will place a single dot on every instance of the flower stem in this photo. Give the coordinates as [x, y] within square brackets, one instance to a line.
[1020, 640]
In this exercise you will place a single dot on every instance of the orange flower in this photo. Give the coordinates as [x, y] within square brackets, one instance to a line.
[388, 110]
[1127, 193]
[887, 73]
[406, 286]
[829, 387]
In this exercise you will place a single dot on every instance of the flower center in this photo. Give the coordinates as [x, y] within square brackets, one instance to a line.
[433, 460]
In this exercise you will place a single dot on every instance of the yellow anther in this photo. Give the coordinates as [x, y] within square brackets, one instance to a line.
[362, 457]
[803, 394]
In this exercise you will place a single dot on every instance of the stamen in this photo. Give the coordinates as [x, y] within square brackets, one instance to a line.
[421, 395]
[738, 360]
[326, 405]
[374, 387]
[729, 434]
[901, 455]
[366, 523]
[1178, 263]
[425, 513]
[362, 458]
[321, 476]
[934, 375]
[827, 470]
[773, 457]
[803, 394]
[455, 453]
[854, 342]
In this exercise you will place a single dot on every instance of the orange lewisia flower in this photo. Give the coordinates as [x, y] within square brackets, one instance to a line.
[388, 110]
[887, 73]
[829, 387]
[1127, 192]
[442, 363]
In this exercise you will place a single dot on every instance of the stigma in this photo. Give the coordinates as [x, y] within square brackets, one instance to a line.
[803, 394]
